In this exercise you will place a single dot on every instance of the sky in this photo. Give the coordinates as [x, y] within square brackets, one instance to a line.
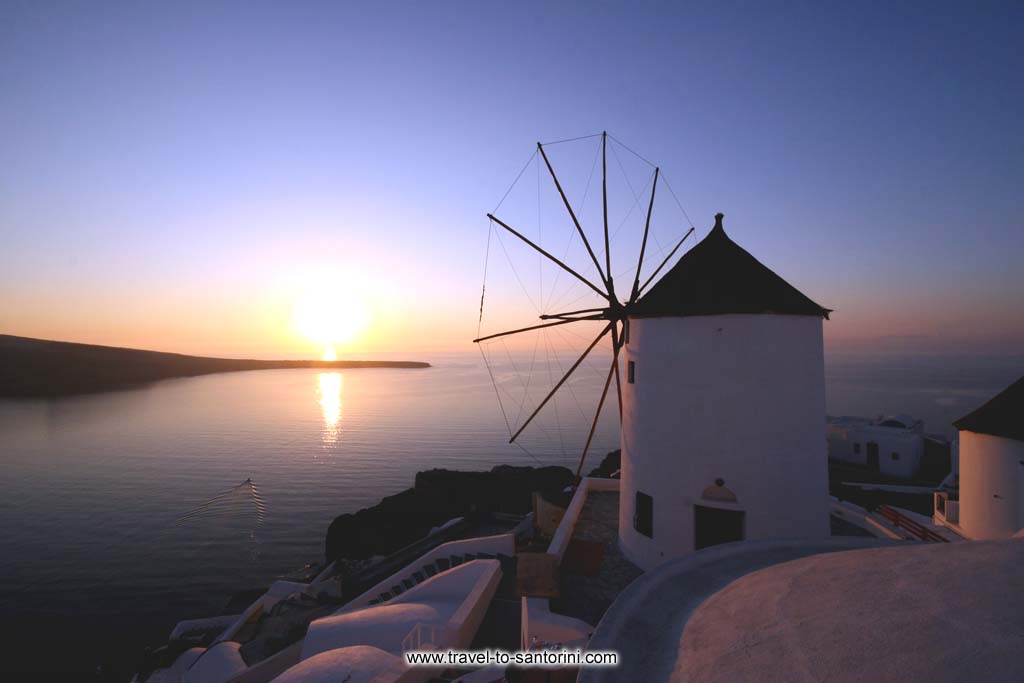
[180, 176]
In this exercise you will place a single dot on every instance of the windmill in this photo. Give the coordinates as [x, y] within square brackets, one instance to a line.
[612, 310]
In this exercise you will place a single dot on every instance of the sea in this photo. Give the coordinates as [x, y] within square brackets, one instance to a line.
[122, 513]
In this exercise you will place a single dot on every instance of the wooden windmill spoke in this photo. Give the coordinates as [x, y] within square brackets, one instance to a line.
[600, 404]
[604, 202]
[566, 314]
[575, 365]
[643, 244]
[572, 214]
[563, 321]
[658, 270]
[573, 314]
[618, 338]
[556, 261]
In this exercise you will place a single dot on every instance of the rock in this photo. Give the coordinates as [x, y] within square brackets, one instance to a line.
[438, 496]
[608, 466]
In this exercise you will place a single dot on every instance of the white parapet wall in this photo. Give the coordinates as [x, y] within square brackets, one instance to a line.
[183, 627]
[538, 621]
[278, 591]
[560, 541]
[500, 543]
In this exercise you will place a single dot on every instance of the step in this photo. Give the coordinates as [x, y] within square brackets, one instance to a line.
[408, 583]
[430, 569]
[397, 590]
[456, 560]
[443, 563]
[418, 577]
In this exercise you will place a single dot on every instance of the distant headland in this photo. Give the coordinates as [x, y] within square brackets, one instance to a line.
[41, 368]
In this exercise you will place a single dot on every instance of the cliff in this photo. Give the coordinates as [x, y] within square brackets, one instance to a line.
[41, 368]
[438, 496]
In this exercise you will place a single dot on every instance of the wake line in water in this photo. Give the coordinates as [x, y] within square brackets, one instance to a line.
[228, 501]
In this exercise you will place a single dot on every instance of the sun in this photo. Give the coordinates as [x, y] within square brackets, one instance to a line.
[329, 315]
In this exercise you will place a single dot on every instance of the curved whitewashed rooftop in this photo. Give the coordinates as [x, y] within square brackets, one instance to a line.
[823, 610]
[935, 612]
[380, 626]
[219, 663]
[647, 620]
[359, 664]
[454, 601]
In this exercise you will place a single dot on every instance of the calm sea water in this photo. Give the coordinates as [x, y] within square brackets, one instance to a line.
[94, 562]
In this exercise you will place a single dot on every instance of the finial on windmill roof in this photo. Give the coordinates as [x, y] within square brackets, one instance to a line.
[718, 220]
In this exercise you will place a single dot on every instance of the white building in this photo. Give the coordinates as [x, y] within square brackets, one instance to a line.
[891, 445]
[723, 433]
[991, 465]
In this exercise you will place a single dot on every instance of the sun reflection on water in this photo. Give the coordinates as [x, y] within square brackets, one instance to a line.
[330, 404]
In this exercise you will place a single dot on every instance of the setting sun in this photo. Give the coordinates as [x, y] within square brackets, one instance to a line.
[327, 316]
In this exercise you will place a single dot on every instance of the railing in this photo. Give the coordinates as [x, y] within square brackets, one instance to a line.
[946, 508]
[953, 511]
[913, 527]
[421, 635]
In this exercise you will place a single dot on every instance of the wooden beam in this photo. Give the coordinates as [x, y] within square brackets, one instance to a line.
[557, 262]
[604, 202]
[674, 249]
[643, 245]
[619, 339]
[545, 316]
[600, 404]
[563, 321]
[572, 214]
[562, 381]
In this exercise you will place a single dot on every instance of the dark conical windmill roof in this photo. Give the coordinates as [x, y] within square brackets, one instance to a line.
[717, 277]
[1002, 416]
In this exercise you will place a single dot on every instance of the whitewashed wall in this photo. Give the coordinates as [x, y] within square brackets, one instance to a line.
[908, 444]
[737, 397]
[991, 483]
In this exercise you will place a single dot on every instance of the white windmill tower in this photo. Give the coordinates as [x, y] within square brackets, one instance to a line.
[723, 402]
[723, 423]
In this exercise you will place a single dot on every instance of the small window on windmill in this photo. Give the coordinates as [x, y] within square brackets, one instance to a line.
[625, 331]
[631, 372]
[856, 447]
[643, 515]
[895, 455]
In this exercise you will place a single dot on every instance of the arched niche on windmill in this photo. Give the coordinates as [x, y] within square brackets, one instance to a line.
[717, 517]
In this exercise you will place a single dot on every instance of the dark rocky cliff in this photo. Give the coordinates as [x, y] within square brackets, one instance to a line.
[436, 497]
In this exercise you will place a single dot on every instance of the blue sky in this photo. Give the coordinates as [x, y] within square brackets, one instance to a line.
[174, 173]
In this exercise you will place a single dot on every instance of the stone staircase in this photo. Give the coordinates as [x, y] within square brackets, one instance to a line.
[441, 564]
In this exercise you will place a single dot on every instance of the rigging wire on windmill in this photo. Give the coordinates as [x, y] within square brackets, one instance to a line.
[611, 311]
